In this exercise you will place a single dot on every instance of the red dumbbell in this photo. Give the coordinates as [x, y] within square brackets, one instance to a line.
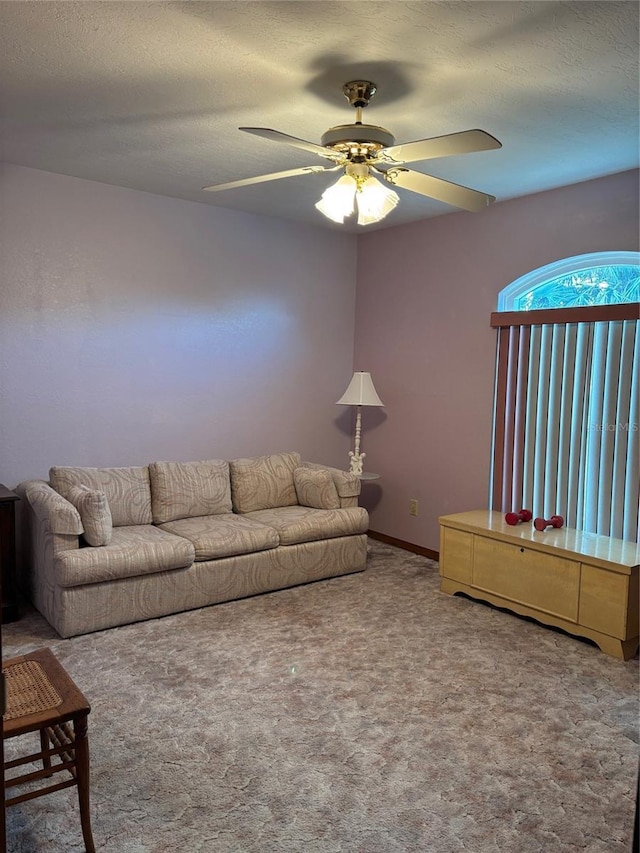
[554, 521]
[515, 517]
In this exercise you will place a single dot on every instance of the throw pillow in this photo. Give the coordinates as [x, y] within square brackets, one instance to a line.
[263, 482]
[94, 512]
[315, 488]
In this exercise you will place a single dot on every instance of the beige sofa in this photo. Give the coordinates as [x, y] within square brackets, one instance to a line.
[109, 546]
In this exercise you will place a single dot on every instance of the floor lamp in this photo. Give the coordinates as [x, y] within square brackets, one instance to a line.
[359, 393]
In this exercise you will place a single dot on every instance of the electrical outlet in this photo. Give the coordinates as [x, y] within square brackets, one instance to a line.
[413, 507]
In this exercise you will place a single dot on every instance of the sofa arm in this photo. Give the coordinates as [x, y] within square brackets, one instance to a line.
[347, 484]
[52, 526]
[50, 508]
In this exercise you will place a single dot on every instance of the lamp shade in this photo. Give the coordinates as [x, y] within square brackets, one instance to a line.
[360, 392]
[374, 201]
[337, 201]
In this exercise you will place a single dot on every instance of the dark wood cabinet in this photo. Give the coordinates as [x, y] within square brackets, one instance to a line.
[10, 605]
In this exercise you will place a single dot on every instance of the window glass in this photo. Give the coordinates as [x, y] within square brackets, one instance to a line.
[601, 278]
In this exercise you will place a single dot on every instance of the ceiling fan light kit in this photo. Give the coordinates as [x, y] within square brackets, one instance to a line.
[365, 151]
[357, 188]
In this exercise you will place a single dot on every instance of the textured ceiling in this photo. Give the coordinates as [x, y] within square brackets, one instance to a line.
[150, 95]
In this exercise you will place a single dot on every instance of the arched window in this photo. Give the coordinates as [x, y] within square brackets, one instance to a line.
[600, 278]
[566, 436]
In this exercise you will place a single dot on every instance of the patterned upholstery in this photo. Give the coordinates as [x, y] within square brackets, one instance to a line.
[93, 607]
[61, 515]
[147, 570]
[347, 485]
[301, 524]
[127, 489]
[263, 482]
[315, 488]
[94, 512]
[189, 489]
[217, 536]
[132, 551]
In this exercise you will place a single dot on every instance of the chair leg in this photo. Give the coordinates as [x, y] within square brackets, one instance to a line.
[44, 746]
[82, 768]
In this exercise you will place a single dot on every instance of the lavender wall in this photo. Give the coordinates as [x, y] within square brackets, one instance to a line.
[135, 327]
[424, 299]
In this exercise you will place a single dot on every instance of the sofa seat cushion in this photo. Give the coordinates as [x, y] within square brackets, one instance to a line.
[135, 550]
[263, 482]
[128, 490]
[189, 489]
[215, 536]
[296, 524]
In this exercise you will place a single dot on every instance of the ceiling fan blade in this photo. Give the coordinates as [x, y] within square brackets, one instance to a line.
[465, 142]
[277, 136]
[273, 176]
[437, 188]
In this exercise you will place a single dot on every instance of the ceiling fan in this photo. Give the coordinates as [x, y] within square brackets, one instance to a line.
[363, 151]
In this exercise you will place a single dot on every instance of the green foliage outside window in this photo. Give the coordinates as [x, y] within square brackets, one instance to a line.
[602, 278]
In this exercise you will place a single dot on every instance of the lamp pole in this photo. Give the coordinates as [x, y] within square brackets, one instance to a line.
[355, 455]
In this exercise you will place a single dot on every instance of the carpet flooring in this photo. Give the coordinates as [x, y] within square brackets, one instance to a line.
[364, 714]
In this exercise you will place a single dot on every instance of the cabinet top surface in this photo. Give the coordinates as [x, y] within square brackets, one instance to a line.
[7, 495]
[575, 543]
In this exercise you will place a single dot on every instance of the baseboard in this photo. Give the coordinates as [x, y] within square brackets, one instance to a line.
[406, 546]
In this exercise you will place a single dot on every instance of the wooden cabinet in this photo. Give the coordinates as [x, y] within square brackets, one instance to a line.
[8, 580]
[581, 582]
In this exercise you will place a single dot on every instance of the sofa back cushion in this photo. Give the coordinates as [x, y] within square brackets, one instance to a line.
[315, 488]
[189, 489]
[127, 489]
[94, 512]
[263, 482]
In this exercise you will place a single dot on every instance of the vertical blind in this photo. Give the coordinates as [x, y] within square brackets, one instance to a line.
[566, 436]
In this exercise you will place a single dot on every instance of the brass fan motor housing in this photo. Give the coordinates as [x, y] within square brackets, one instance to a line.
[357, 140]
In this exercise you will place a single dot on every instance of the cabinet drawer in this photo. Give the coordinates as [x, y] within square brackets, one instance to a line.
[542, 581]
[456, 551]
